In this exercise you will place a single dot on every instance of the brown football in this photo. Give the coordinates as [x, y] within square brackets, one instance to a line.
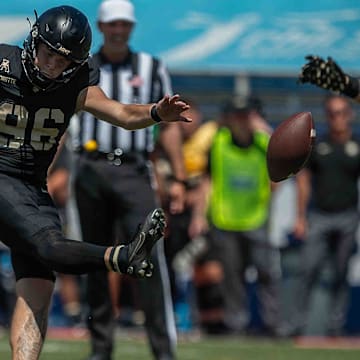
[290, 146]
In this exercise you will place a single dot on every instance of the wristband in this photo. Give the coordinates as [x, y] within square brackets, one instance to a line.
[352, 88]
[175, 179]
[154, 114]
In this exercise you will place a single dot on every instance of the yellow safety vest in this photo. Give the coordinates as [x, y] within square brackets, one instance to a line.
[240, 194]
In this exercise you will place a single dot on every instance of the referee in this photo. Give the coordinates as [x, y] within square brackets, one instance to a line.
[114, 184]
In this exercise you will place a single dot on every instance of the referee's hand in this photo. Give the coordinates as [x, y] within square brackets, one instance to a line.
[170, 109]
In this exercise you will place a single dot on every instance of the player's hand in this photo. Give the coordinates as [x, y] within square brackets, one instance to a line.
[170, 109]
[326, 74]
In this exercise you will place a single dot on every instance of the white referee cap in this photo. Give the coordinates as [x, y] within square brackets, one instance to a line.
[112, 10]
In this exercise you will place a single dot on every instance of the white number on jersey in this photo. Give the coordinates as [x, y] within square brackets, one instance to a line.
[13, 122]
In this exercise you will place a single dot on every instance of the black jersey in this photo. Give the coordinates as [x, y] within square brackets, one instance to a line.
[32, 121]
[335, 172]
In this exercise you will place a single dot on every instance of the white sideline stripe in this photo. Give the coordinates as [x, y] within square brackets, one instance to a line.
[169, 310]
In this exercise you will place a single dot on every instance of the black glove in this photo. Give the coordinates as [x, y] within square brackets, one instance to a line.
[328, 75]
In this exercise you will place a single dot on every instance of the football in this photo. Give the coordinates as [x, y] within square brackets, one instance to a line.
[290, 146]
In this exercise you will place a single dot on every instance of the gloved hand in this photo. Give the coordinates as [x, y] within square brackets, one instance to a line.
[326, 74]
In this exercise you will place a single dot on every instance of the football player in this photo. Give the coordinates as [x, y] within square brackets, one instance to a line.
[41, 87]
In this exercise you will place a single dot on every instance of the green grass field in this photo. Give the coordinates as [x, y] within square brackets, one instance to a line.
[205, 349]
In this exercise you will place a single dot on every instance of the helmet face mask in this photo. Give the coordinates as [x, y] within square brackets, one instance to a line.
[64, 30]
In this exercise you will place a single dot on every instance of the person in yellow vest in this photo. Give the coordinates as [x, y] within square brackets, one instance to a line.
[237, 191]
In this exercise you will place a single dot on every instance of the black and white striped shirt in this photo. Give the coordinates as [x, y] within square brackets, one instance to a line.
[141, 78]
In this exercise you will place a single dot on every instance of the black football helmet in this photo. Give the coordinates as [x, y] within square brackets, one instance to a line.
[65, 30]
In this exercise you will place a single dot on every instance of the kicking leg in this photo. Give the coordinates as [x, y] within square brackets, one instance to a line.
[77, 257]
[31, 225]
[50, 247]
[29, 322]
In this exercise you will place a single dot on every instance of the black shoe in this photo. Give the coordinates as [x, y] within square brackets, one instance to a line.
[165, 357]
[136, 262]
[98, 356]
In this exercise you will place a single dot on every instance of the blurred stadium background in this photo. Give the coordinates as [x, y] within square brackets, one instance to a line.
[216, 48]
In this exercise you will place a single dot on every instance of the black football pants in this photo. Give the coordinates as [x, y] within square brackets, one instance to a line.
[31, 227]
[237, 251]
[110, 198]
[331, 238]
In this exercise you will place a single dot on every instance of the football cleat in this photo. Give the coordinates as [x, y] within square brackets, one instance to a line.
[138, 262]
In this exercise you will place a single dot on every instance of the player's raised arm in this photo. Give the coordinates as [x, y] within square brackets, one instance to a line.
[328, 75]
[131, 116]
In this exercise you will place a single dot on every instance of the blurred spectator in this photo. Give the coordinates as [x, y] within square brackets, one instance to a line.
[239, 202]
[329, 184]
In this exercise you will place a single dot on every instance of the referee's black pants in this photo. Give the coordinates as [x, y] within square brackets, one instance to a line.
[115, 199]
